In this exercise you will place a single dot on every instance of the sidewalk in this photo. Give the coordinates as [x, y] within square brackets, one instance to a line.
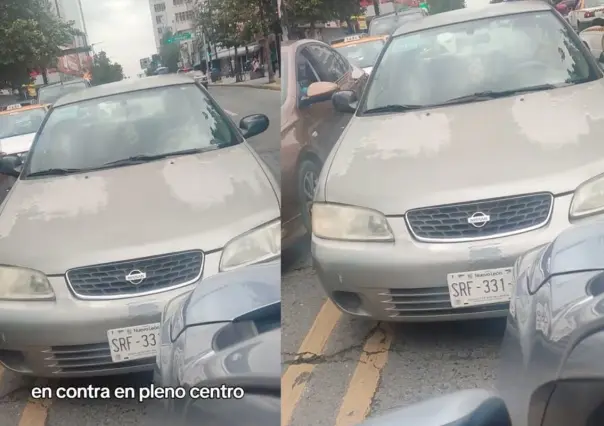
[258, 83]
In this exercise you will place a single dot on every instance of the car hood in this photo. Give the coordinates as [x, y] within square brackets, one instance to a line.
[543, 141]
[17, 144]
[230, 295]
[198, 201]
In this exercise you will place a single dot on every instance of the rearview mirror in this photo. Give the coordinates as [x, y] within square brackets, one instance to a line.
[9, 164]
[345, 101]
[472, 407]
[253, 125]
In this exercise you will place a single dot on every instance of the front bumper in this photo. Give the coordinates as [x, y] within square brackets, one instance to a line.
[68, 337]
[406, 280]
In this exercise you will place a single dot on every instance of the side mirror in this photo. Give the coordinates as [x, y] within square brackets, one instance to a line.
[253, 125]
[320, 91]
[345, 101]
[9, 164]
[473, 407]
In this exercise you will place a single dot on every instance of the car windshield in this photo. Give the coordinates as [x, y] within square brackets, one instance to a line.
[593, 3]
[51, 94]
[362, 55]
[284, 76]
[153, 122]
[503, 54]
[388, 24]
[21, 122]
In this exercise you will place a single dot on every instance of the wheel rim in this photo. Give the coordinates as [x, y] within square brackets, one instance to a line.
[309, 185]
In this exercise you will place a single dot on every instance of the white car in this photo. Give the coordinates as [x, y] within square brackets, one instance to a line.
[587, 13]
[593, 37]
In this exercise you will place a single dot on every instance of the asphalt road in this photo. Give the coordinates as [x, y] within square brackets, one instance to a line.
[241, 101]
[338, 370]
[16, 406]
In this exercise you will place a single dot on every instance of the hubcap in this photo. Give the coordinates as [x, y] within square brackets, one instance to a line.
[309, 185]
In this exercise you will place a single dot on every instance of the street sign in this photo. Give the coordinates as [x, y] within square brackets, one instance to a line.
[179, 37]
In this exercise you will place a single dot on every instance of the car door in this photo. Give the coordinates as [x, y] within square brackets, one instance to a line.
[324, 123]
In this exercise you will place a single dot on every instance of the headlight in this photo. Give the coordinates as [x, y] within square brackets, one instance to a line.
[588, 199]
[24, 284]
[258, 245]
[349, 223]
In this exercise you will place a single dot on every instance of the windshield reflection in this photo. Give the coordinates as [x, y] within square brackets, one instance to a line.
[488, 55]
[155, 122]
[21, 122]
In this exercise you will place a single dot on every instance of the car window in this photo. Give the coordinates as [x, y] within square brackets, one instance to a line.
[305, 73]
[330, 65]
[362, 54]
[89, 134]
[21, 122]
[50, 94]
[495, 54]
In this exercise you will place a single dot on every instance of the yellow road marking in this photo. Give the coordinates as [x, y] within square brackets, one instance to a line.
[363, 385]
[35, 412]
[295, 377]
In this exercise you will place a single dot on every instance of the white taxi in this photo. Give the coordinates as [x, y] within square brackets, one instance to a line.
[586, 14]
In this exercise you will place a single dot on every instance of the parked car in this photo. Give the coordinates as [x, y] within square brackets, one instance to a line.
[386, 24]
[550, 372]
[150, 189]
[361, 51]
[311, 73]
[227, 331]
[50, 93]
[417, 217]
[586, 14]
[18, 126]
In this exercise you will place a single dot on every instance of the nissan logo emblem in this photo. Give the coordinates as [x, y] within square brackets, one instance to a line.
[136, 277]
[479, 219]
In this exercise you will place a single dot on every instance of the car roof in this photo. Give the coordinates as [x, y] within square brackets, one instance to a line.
[124, 86]
[359, 41]
[472, 14]
[24, 108]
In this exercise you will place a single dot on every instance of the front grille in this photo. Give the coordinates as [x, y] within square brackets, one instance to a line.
[508, 215]
[430, 301]
[86, 359]
[162, 272]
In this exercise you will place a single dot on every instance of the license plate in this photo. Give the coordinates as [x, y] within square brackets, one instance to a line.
[129, 343]
[352, 38]
[480, 287]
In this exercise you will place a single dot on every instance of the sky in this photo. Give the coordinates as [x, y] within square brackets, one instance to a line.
[123, 29]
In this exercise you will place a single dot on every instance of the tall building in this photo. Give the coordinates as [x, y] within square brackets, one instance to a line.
[76, 64]
[177, 17]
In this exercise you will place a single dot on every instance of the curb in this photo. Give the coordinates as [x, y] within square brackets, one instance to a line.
[253, 86]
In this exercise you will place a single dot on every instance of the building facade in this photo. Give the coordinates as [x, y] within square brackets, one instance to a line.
[177, 17]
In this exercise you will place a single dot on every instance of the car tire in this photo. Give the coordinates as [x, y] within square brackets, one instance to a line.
[308, 175]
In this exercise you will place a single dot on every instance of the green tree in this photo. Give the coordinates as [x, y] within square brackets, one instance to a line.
[104, 71]
[233, 23]
[439, 6]
[169, 52]
[313, 11]
[30, 38]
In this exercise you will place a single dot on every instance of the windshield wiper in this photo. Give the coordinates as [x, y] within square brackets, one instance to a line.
[493, 94]
[394, 108]
[56, 172]
[138, 159]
